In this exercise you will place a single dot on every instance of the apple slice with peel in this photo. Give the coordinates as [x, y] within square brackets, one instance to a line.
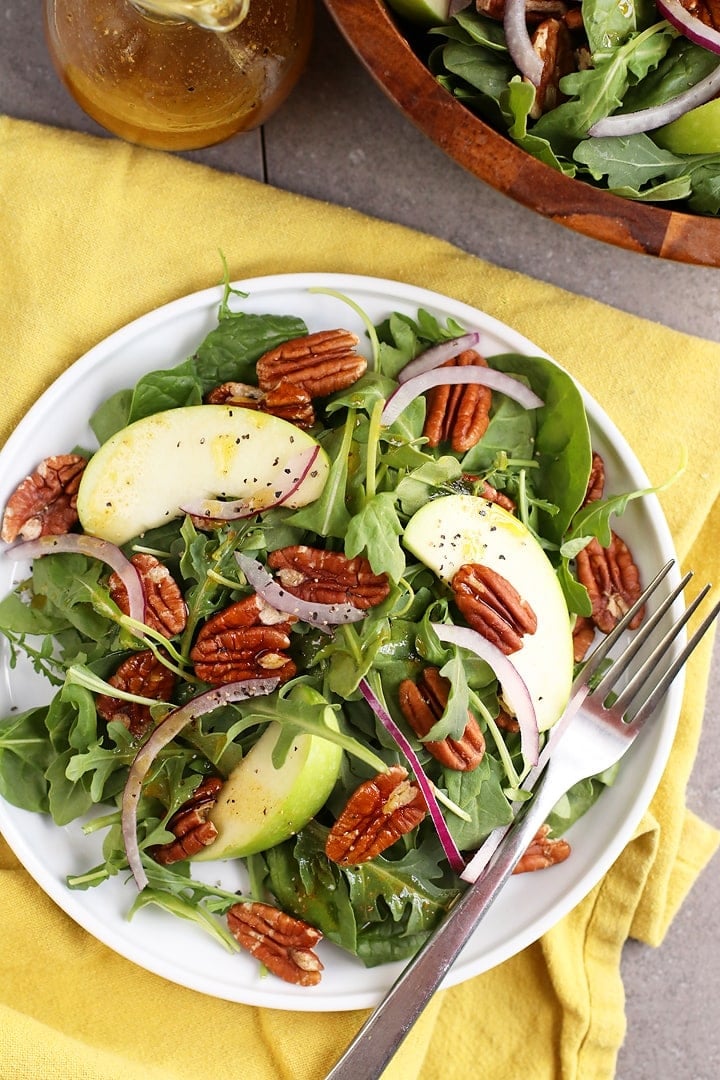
[145, 473]
[259, 805]
[453, 530]
[422, 12]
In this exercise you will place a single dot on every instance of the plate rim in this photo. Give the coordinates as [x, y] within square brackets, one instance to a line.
[206, 300]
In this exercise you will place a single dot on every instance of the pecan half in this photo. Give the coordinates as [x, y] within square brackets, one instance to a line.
[583, 635]
[142, 674]
[192, 830]
[458, 414]
[543, 851]
[423, 704]
[44, 503]
[612, 581]
[535, 10]
[377, 814]
[287, 401]
[596, 481]
[290, 402]
[487, 491]
[242, 642]
[281, 942]
[241, 394]
[320, 363]
[328, 577]
[493, 607]
[506, 722]
[707, 11]
[165, 609]
[493, 495]
[553, 44]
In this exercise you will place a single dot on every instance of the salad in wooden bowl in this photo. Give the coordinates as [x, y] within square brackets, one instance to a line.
[599, 115]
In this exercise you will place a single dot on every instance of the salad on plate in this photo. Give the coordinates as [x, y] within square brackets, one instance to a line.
[309, 611]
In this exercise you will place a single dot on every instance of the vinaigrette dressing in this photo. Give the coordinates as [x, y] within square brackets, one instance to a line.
[168, 83]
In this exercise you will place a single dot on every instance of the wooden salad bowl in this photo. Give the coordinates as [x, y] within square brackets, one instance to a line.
[374, 36]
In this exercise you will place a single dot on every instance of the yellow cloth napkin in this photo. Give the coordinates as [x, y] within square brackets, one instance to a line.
[94, 233]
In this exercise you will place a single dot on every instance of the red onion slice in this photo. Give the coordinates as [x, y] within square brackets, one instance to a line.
[159, 738]
[438, 355]
[513, 686]
[287, 483]
[83, 544]
[518, 41]
[689, 25]
[444, 835]
[659, 115]
[272, 592]
[453, 376]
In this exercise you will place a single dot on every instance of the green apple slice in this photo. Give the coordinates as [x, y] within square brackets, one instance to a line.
[145, 473]
[448, 532]
[695, 132]
[422, 12]
[259, 806]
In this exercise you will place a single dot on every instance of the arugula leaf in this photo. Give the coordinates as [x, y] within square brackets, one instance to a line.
[375, 530]
[608, 23]
[329, 515]
[628, 160]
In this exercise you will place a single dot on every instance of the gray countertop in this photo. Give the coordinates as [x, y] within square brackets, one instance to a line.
[339, 139]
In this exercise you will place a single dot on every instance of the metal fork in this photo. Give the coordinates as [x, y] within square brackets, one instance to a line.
[594, 732]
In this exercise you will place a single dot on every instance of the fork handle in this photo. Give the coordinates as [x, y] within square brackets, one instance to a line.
[384, 1030]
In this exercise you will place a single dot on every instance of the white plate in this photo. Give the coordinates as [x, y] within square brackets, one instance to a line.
[176, 950]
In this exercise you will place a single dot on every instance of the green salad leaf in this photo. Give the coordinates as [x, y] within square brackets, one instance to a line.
[628, 58]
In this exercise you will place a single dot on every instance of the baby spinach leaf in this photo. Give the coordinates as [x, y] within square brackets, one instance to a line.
[162, 390]
[380, 911]
[25, 754]
[562, 446]
[112, 415]
[480, 794]
[231, 350]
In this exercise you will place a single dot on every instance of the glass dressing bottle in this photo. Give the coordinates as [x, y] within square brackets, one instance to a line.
[179, 74]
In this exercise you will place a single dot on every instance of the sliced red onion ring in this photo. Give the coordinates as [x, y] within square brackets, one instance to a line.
[159, 738]
[496, 380]
[659, 115]
[437, 355]
[518, 41]
[272, 592]
[514, 689]
[82, 544]
[287, 483]
[689, 25]
[444, 835]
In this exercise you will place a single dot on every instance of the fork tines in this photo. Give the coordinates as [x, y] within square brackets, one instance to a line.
[621, 702]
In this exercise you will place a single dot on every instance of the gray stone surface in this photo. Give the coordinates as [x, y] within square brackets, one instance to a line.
[338, 138]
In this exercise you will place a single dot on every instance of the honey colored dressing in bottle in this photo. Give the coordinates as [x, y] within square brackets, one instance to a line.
[181, 74]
